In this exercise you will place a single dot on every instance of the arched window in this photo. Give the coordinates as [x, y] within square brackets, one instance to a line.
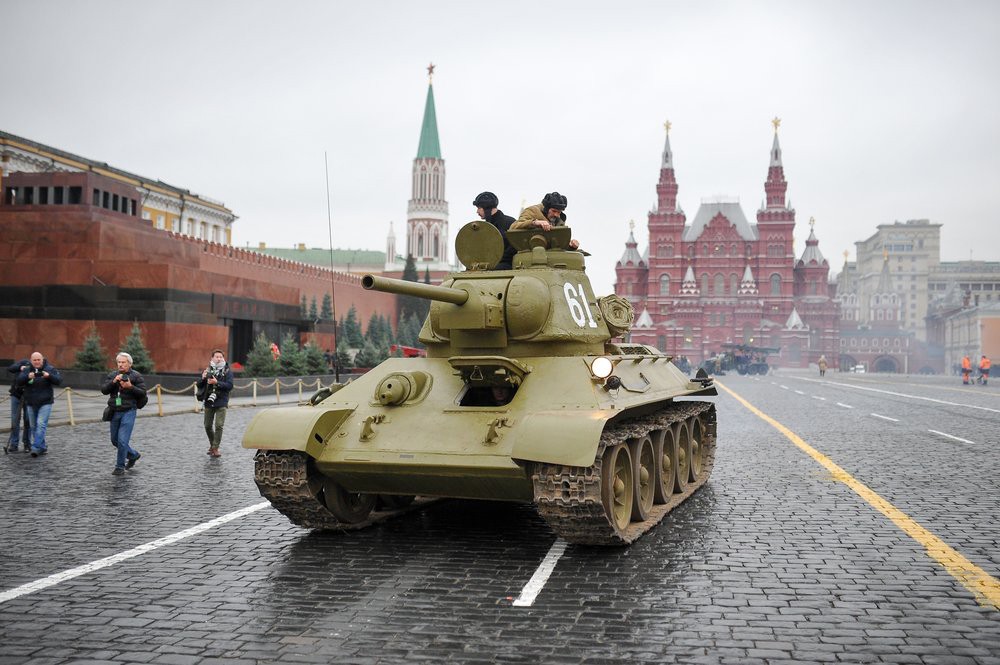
[664, 284]
[420, 243]
[747, 334]
[704, 284]
[775, 284]
[720, 284]
[437, 242]
[734, 284]
[812, 287]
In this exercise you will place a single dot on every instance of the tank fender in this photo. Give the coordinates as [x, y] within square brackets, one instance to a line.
[560, 437]
[296, 428]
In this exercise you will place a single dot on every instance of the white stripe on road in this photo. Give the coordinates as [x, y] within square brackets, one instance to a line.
[799, 392]
[819, 398]
[52, 580]
[889, 392]
[783, 387]
[846, 406]
[541, 576]
[894, 420]
[956, 438]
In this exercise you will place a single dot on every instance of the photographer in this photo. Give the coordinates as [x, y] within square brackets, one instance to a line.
[18, 409]
[124, 388]
[214, 386]
[37, 380]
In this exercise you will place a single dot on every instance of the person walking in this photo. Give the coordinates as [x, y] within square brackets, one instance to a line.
[822, 365]
[966, 369]
[37, 380]
[18, 411]
[984, 370]
[215, 384]
[124, 387]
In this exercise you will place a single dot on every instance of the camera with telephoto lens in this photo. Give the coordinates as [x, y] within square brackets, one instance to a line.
[212, 395]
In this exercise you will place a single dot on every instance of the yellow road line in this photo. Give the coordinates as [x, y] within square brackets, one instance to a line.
[983, 586]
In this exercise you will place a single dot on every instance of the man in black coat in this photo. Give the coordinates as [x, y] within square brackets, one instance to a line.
[486, 207]
[124, 387]
[37, 380]
[17, 410]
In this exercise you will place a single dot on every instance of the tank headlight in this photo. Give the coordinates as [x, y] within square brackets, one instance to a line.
[602, 367]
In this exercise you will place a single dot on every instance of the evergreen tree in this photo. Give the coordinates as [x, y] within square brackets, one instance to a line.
[368, 356]
[427, 275]
[326, 310]
[292, 361]
[91, 357]
[343, 357]
[406, 304]
[385, 329]
[260, 361]
[303, 308]
[315, 363]
[141, 360]
[408, 331]
[376, 332]
[352, 329]
[313, 312]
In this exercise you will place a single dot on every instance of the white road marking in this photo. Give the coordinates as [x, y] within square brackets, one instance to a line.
[823, 399]
[894, 420]
[799, 392]
[956, 438]
[846, 406]
[541, 576]
[52, 580]
[890, 392]
[784, 387]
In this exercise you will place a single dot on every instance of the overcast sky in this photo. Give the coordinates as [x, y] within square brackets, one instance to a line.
[889, 109]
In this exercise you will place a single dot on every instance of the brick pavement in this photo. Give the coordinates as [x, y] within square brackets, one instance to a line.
[753, 569]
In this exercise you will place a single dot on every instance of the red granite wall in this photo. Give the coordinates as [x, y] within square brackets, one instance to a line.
[82, 245]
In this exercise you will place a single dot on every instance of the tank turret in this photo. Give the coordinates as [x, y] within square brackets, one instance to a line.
[524, 396]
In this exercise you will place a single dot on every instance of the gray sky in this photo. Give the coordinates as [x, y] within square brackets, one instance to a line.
[889, 109]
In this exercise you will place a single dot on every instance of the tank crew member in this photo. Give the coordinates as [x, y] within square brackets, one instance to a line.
[124, 387]
[17, 410]
[984, 370]
[966, 369]
[545, 215]
[215, 383]
[37, 380]
[486, 207]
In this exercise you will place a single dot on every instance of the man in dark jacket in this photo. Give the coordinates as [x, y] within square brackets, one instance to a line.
[37, 380]
[486, 207]
[124, 388]
[215, 384]
[17, 409]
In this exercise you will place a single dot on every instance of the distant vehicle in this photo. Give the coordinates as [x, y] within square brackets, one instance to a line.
[859, 369]
[746, 359]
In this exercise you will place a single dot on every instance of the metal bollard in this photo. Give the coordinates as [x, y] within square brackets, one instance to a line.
[159, 400]
[277, 390]
[69, 405]
[300, 391]
[255, 392]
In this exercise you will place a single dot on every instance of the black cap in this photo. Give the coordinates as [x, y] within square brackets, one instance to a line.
[486, 201]
[554, 200]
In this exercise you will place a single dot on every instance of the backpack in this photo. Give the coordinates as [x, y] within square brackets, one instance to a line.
[141, 401]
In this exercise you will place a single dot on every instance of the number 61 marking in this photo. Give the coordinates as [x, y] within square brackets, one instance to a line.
[579, 308]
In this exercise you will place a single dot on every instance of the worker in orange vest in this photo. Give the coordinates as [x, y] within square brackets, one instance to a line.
[966, 369]
[984, 370]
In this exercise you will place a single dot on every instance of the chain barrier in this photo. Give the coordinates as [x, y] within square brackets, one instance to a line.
[250, 385]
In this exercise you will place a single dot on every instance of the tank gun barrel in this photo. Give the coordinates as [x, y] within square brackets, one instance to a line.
[415, 289]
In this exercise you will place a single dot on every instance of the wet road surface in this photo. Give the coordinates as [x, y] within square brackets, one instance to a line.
[777, 559]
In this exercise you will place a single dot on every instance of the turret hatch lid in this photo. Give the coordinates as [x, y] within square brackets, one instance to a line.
[479, 245]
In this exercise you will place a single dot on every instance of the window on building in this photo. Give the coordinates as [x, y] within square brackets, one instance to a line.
[43, 196]
[57, 195]
[160, 222]
[106, 200]
[75, 195]
[29, 195]
[775, 284]
[664, 284]
[704, 284]
[734, 284]
[720, 284]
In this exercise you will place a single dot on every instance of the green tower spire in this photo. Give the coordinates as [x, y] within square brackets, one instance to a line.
[429, 144]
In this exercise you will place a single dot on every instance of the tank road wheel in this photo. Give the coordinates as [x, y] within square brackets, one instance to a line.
[644, 473]
[617, 486]
[394, 501]
[697, 454]
[665, 450]
[348, 507]
[683, 435]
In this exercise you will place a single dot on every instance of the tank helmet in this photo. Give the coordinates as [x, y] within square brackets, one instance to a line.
[487, 201]
[554, 200]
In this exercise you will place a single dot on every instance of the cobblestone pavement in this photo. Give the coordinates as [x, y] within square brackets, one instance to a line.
[773, 561]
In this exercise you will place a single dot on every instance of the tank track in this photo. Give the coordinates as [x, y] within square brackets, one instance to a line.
[569, 498]
[282, 476]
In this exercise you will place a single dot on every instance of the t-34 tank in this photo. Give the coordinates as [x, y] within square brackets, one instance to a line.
[523, 396]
